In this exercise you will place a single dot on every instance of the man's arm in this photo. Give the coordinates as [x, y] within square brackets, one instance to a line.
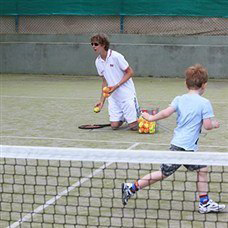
[102, 98]
[128, 74]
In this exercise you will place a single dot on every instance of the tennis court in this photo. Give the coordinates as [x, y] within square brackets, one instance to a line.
[46, 110]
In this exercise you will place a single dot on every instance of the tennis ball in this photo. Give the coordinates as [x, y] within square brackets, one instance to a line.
[96, 109]
[141, 130]
[152, 124]
[140, 119]
[106, 89]
[106, 94]
[146, 125]
[140, 124]
[146, 130]
[152, 130]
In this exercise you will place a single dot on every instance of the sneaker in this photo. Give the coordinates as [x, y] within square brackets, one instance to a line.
[211, 206]
[126, 193]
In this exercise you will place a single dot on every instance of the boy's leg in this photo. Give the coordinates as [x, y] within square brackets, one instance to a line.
[202, 181]
[206, 205]
[128, 189]
[150, 179]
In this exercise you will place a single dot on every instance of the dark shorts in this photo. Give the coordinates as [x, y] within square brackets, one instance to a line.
[169, 169]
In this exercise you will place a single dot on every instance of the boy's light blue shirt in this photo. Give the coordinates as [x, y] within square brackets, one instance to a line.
[191, 109]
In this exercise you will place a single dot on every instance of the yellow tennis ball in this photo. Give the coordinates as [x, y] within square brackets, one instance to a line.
[146, 125]
[152, 124]
[96, 109]
[106, 94]
[140, 119]
[106, 89]
[140, 124]
[152, 130]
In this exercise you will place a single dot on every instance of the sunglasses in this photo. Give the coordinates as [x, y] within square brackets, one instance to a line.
[94, 44]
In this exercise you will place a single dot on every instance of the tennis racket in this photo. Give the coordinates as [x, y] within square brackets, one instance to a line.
[93, 126]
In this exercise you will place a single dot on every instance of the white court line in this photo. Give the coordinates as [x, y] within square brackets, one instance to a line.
[101, 141]
[34, 97]
[63, 193]
[88, 98]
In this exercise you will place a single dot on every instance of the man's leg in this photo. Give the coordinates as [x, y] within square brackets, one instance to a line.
[133, 126]
[115, 125]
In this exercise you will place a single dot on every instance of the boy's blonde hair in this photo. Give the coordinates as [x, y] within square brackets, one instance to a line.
[196, 76]
[102, 39]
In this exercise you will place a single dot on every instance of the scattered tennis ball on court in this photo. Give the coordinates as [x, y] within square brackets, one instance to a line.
[96, 109]
[106, 89]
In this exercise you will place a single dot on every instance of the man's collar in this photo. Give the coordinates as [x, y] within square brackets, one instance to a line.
[109, 53]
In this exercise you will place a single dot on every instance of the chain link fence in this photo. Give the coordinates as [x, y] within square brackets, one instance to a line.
[154, 25]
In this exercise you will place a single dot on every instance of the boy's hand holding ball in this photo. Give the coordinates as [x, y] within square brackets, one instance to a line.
[145, 115]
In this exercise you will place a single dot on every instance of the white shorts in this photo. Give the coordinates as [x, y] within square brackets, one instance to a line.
[123, 111]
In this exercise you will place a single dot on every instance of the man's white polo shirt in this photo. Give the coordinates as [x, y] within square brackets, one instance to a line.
[113, 70]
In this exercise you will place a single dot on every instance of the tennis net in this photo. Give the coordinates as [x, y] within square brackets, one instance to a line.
[72, 187]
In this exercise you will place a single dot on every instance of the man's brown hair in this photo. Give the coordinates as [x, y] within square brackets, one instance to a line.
[102, 39]
[196, 76]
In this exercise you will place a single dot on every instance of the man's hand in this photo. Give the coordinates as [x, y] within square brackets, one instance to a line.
[99, 105]
[112, 88]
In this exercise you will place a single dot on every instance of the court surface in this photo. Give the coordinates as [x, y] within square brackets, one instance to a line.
[46, 110]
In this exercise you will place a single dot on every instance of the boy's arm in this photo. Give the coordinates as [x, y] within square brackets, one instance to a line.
[159, 116]
[209, 124]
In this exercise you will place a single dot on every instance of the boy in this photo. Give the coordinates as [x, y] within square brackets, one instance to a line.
[116, 74]
[193, 112]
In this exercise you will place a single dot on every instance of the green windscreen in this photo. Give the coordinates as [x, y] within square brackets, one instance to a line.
[207, 8]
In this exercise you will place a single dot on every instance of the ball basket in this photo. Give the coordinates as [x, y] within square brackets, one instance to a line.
[146, 127]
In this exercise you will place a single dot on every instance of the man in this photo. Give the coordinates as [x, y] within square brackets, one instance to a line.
[117, 75]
